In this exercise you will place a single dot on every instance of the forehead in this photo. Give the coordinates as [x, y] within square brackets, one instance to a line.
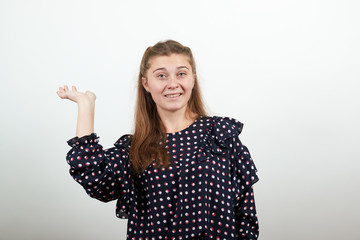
[174, 60]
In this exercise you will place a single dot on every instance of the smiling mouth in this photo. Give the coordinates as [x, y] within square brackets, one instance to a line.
[173, 95]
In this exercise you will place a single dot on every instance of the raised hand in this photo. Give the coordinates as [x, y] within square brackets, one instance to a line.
[86, 108]
[74, 95]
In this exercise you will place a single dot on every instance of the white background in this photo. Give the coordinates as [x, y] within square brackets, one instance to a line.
[289, 70]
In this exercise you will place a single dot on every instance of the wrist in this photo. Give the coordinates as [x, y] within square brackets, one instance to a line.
[86, 102]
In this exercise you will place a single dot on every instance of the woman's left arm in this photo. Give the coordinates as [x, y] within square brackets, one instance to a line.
[246, 220]
[245, 176]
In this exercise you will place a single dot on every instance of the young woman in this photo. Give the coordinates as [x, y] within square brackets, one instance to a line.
[182, 174]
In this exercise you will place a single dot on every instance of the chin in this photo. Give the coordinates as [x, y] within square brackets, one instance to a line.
[174, 108]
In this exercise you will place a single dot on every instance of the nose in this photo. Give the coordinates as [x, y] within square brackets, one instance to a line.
[173, 82]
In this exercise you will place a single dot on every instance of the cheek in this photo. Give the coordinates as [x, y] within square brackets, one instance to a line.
[189, 87]
[157, 88]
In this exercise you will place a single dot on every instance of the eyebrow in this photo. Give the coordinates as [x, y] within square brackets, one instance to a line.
[165, 68]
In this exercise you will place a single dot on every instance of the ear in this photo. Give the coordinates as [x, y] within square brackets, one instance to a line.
[145, 83]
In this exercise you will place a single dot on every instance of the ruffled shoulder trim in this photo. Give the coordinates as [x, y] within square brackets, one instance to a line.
[124, 141]
[225, 128]
[215, 140]
[87, 139]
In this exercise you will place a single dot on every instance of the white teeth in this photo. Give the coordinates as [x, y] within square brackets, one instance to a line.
[173, 95]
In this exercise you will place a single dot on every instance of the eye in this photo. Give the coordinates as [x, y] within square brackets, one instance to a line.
[181, 74]
[161, 76]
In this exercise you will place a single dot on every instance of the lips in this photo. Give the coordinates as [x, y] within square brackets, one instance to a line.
[174, 95]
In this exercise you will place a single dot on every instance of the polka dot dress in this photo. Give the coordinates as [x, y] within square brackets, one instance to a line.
[205, 193]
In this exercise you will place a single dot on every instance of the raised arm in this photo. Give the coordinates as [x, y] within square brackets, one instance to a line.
[86, 108]
[103, 173]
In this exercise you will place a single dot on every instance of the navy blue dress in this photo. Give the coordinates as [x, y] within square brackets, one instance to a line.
[206, 193]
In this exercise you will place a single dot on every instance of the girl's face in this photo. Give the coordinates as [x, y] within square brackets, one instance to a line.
[170, 81]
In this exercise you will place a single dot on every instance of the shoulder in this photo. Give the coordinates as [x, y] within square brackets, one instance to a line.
[223, 128]
[124, 142]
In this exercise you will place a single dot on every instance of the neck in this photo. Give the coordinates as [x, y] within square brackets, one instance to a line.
[176, 121]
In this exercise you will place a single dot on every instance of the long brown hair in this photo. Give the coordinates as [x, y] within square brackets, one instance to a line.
[149, 139]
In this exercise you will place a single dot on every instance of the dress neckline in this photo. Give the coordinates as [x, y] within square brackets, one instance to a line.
[192, 125]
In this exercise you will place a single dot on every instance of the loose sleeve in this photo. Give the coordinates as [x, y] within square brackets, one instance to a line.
[244, 177]
[243, 174]
[104, 174]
